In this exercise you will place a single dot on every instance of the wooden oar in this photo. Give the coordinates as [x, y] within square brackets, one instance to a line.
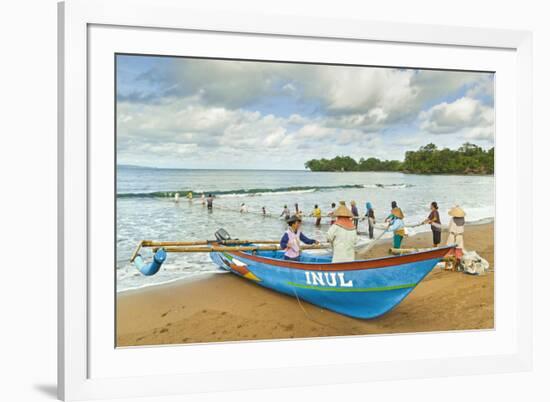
[211, 249]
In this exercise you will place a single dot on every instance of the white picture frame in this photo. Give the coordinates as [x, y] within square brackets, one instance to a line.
[87, 366]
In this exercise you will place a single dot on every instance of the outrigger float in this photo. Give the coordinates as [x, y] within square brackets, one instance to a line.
[361, 289]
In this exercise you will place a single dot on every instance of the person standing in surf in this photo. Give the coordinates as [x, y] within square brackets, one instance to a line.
[331, 213]
[316, 213]
[210, 202]
[435, 222]
[369, 216]
[355, 213]
[290, 242]
[342, 235]
[285, 213]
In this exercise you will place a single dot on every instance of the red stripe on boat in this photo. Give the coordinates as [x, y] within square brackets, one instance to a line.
[350, 266]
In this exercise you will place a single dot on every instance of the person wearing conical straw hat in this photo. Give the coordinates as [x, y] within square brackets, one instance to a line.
[342, 235]
[396, 225]
[290, 242]
[456, 227]
[390, 217]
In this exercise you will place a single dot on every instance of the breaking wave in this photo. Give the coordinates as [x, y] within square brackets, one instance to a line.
[255, 192]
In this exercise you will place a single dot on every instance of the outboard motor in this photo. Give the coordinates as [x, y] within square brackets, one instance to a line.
[222, 235]
[153, 267]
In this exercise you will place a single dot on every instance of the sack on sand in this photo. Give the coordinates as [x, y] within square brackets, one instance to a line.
[472, 263]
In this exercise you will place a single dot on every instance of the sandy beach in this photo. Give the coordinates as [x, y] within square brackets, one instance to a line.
[224, 307]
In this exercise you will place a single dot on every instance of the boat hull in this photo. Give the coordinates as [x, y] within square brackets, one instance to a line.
[361, 289]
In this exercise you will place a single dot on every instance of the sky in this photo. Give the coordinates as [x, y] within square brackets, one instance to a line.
[227, 114]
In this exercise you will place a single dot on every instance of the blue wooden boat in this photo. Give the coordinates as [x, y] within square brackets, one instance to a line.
[361, 289]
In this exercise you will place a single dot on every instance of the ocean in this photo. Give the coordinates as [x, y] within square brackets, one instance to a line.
[146, 207]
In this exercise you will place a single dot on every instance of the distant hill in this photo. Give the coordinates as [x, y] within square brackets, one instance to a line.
[467, 159]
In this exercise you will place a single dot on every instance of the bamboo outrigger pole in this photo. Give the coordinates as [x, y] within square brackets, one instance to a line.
[136, 251]
[215, 248]
[447, 259]
[214, 245]
[399, 251]
[151, 243]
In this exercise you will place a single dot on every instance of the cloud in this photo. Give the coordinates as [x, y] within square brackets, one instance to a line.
[464, 113]
[480, 134]
[389, 94]
[483, 88]
[176, 111]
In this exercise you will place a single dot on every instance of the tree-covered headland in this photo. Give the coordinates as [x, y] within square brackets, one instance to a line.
[428, 159]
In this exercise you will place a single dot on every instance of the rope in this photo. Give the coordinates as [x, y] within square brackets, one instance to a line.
[369, 246]
[309, 317]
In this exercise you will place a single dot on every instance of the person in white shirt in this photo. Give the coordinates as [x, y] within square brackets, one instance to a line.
[285, 213]
[331, 213]
[342, 235]
[456, 227]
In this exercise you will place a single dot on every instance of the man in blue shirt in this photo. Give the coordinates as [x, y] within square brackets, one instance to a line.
[290, 242]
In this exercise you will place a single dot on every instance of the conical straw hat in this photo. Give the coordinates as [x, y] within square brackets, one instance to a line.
[342, 210]
[457, 212]
[398, 213]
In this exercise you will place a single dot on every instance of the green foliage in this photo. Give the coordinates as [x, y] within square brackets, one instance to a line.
[467, 159]
[348, 164]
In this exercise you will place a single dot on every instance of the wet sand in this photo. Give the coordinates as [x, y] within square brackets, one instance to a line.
[225, 307]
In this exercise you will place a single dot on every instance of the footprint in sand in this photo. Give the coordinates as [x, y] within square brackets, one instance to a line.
[288, 327]
[165, 314]
[163, 330]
